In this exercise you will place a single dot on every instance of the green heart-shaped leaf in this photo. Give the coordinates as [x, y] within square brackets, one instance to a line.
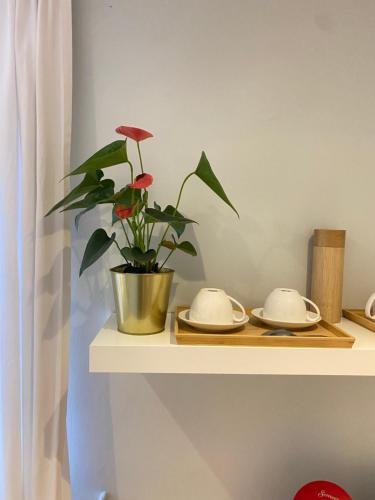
[179, 227]
[168, 244]
[127, 197]
[112, 154]
[90, 183]
[187, 247]
[127, 253]
[184, 246]
[101, 194]
[136, 254]
[206, 174]
[97, 245]
[143, 257]
[155, 216]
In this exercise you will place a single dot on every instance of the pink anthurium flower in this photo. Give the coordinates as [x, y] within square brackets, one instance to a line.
[142, 181]
[124, 212]
[137, 134]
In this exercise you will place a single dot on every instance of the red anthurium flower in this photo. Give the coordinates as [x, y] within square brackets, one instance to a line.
[124, 212]
[137, 134]
[142, 181]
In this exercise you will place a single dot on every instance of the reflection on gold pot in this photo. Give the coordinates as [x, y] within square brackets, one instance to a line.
[141, 300]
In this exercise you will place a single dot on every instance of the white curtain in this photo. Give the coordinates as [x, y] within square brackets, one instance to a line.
[35, 120]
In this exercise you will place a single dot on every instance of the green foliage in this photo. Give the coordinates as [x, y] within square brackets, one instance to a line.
[90, 182]
[97, 245]
[206, 174]
[110, 155]
[184, 246]
[143, 257]
[138, 223]
[127, 196]
[101, 194]
[135, 254]
[179, 227]
[168, 244]
[154, 216]
[127, 253]
[187, 247]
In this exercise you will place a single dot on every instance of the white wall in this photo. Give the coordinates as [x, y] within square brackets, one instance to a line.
[281, 97]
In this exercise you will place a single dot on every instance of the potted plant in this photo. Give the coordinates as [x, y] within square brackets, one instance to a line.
[142, 282]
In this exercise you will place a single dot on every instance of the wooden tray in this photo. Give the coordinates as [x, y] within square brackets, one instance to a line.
[359, 317]
[321, 335]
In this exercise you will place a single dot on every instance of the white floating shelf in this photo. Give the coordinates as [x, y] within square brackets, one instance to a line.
[114, 352]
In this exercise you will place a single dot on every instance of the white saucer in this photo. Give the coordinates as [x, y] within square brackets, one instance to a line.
[209, 327]
[258, 314]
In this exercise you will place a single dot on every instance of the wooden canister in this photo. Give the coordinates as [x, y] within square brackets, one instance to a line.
[327, 272]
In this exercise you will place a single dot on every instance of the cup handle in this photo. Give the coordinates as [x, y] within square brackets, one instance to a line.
[369, 306]
[238, 320]
[309, 318]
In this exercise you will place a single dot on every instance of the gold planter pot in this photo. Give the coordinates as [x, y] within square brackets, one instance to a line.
[141, 300]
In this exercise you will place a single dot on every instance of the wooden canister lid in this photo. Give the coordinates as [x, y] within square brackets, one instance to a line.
[329, 238]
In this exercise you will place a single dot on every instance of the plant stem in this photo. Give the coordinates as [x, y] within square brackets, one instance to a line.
[131, 226]
[147, 235]
[167, 257]
[181, 189]
[144, 228]
[131, 171]
[147, 229]
[146, 204]
[174, 213]
[139, 232]
[140, 157]
[126, 234]
[119, 249]
[150, 235]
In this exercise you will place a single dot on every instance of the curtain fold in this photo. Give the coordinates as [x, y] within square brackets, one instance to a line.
[35, 105]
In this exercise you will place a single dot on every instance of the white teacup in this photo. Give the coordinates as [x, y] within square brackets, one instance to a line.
[285, 304]
[369, 307]
[212, 305]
